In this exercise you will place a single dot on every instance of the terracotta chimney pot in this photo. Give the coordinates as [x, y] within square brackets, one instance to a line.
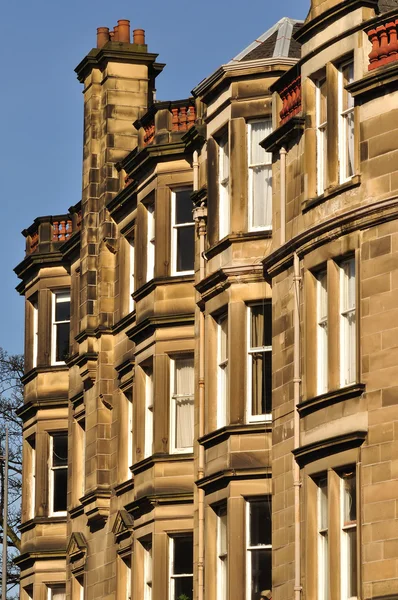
[102, 36]
[124, 30]
[116, 33]
[139, 36]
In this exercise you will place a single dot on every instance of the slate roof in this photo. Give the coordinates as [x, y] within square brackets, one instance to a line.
[275, 43]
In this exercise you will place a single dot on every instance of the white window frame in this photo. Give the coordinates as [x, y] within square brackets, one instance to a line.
[51, 469]
[224, 209]
[222, 557]
[348, 346]
[54, 323]
[174, 397]
[35, 332]
[174, 230]
[131, 273]
[81, 431]
[55, 587]
[148, 570]
[344, 115]
[222, 373]
[321, 140]
[32, 492]
[251, 166]
[346, 528]
[323, 543]
[150, 272]
[249, 548]
[149, 407]
[172, 575]
[130, 431]
[322, 334]
[263, 349]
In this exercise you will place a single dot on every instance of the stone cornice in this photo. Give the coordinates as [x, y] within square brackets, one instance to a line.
[150, 285]
[234, 238]
[333, 228]
[147, 327]
[148, 463]
[283, 135]
[152, 500]
[137, 163]
[123, 52]
[220, 435]
[320, 402]
[220, 479]
[327, 17]
[376, 82]
[222, 279]
[36, 261]
[29, 558]
[311, 452]
[30, 409]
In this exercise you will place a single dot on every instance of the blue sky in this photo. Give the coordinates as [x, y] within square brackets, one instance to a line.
[42, 106]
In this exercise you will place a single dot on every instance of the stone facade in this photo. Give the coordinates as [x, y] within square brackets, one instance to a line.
[192, 378]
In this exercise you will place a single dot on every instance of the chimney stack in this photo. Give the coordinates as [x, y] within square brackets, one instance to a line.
[116, 33]
[139, 37]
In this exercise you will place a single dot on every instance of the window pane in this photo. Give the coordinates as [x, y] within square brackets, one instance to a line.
[62, 309]
[60, 486]
[183, 587]
[184, 423]
[262, 196]
[261, 569]
[259, 131]
[350, 498]
[348, 77]
[60, 451]
[183, 555]
[261, 325]
[62, 345]
[183, 206]
[352, 563]
[260, 523]
[185, 248]
[323, 503]
[58, 593]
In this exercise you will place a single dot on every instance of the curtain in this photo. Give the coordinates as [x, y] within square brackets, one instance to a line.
[184, 402]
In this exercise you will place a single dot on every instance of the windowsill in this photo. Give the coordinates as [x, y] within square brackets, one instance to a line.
[332, 397]
[41, 521]
[355, 181]
[125, 486]
[43, 369]
[219, 435]
[148, 462]
[149, 286]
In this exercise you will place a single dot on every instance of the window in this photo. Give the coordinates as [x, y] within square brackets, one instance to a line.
[323, 544]
[78, 588]
[148, 410]
[182, 404]
[322, 331]
[147, 570]
[321, 134]
[58, 473]
[31, 487]
[346, 122]
[336, 488]
[222, 554]
[183, 230]
[132, 267]
[81, 457]
[130, 430]
[56, 592]
[181, 567]
[60, 327]
[222, 381]
[223, 181]
[259, 367]
[347, 323]
[35, 332]
[260, 176]
[125, 578]
[348, 496]
[151, 242]
[258, 547]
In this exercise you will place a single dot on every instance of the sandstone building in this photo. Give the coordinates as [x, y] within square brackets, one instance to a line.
[210, 394]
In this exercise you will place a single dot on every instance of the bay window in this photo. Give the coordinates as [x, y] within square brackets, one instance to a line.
[181, 567]
[260, 175]
[258, 547]
[183, 230]
[259, 366]
[222, 554]
[58, 473]
[148, 371]
[60, 327]
[182, 404]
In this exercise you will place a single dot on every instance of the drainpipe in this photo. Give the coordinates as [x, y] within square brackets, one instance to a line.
[296, 426]
[200, 215]
[282, 156]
